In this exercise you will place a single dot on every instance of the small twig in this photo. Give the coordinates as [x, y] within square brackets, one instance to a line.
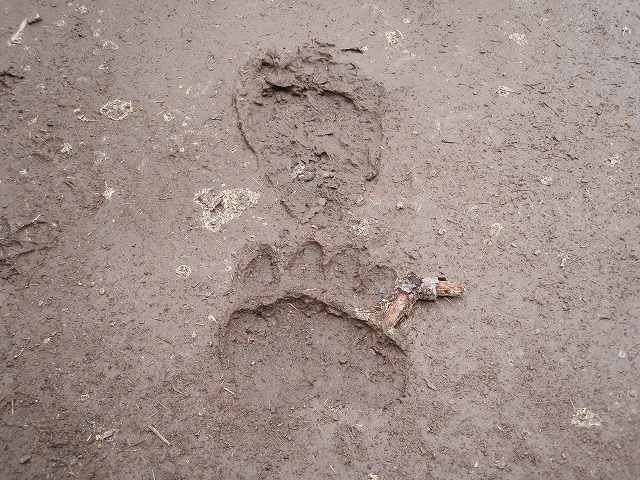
[229, 391]
[155, 431]
[411, 289]
[178, 391]
[35, 19]
[16, 38]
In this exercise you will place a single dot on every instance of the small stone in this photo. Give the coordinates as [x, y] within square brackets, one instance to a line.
[24, 459]
[442, 231]
[322, 201]
[400, 205]
[101, 291]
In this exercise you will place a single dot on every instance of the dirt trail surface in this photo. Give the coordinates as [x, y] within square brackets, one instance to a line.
[197, 198]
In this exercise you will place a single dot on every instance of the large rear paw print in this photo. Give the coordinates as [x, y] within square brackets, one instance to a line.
[313, 384]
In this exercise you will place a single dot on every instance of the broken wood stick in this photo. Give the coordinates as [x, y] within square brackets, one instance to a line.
[409, 290]
[155, 431]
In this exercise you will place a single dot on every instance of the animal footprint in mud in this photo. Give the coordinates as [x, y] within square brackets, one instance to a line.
[314, 125]
[313, 385]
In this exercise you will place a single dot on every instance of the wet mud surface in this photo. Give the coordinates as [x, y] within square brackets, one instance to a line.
[198, 200]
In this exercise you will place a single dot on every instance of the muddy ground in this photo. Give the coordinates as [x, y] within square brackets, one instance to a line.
[195, 196]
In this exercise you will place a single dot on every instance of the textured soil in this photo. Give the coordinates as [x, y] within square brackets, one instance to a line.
[197, 197]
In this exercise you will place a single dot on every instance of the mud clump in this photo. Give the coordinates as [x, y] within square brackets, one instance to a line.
[315, 127]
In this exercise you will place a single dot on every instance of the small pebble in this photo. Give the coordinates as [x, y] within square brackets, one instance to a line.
[546, 181]
[25, 459]
[400, 205]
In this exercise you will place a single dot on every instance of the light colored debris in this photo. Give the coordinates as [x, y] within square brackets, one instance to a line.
[222, 207]
[16, 38]
[110, 45]
[108, 192]
[116, 109]
[430, 385]
[183, 271]
[82, 117]
[394, 37]
[563, 260]
[105, 435]
[168, 116]
[66, 148]
[519, 38]
[155, 431]
[546, 180]
[504, 91]
[35, 19]
[585, 418]
[614, 158]
[298, 170]
[495, 229]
